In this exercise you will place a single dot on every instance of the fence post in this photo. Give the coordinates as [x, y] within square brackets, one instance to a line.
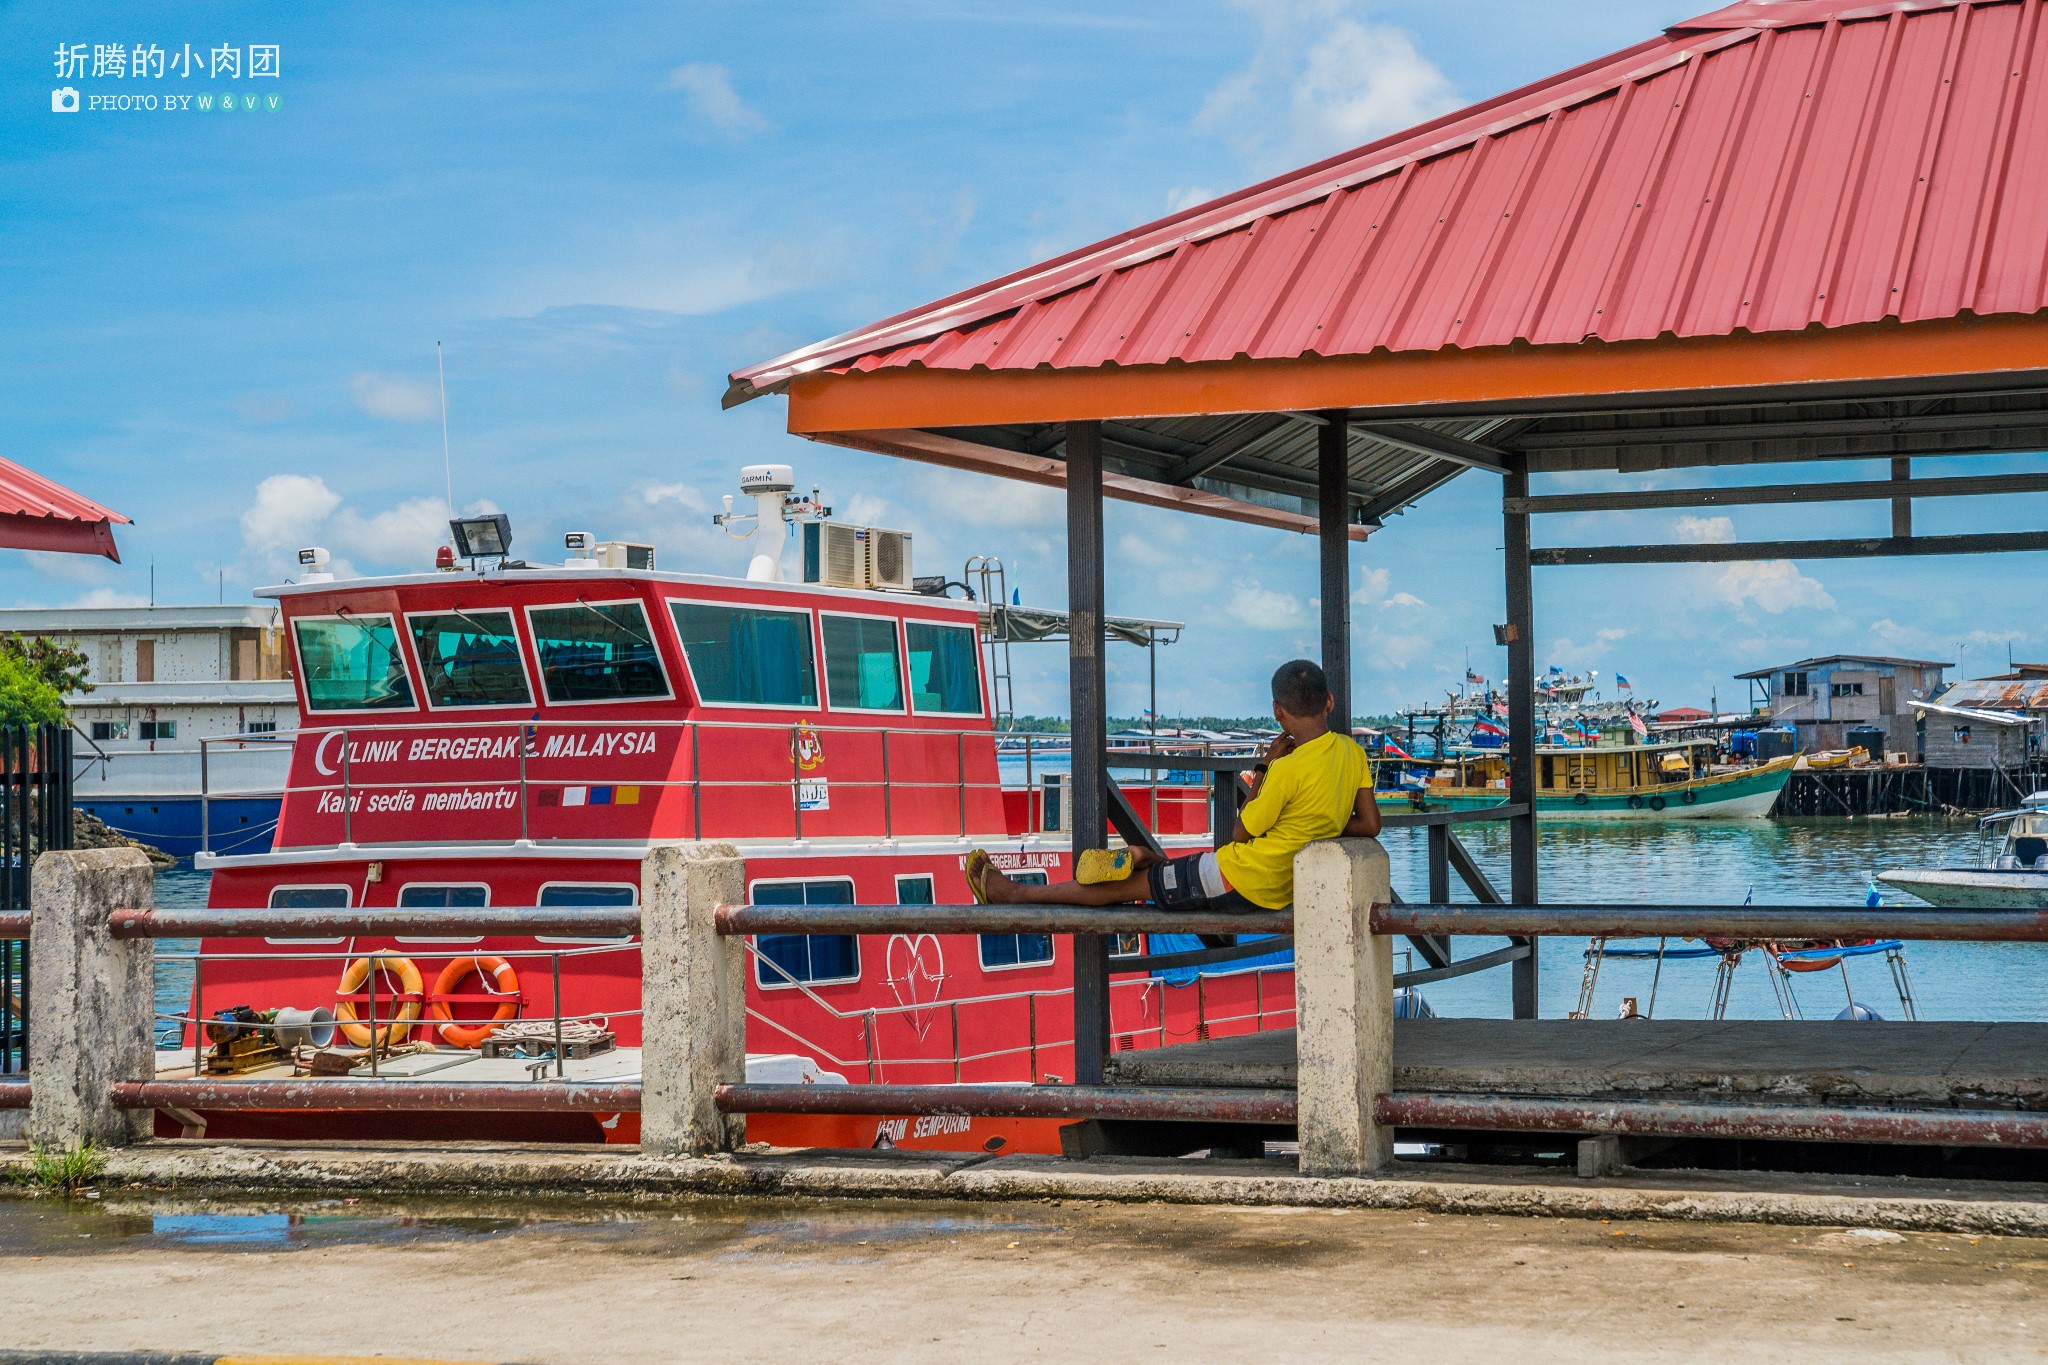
[94, 997]
[693, 999]
[1344, 1006]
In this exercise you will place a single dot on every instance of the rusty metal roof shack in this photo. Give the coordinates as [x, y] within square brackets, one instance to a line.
[40, 514]
[1801, 232]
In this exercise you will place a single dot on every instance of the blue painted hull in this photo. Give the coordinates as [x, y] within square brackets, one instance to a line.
[239, 824]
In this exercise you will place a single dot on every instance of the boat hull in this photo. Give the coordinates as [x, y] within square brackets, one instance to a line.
[1737, 796]
[176, 824]
[1954, 888]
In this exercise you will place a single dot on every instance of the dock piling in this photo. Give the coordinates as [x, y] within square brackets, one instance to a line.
[693, 999]
[94, 997]
[1344, 1002]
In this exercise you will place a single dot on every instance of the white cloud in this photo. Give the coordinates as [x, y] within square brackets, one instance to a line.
[980, 500]
[1568, 653]
[1404, 599]
[1323, 79]
[1263, 609]
[707, 89]
[395, 400]
[292, 511]
[1375, 589]
[288, 510]
[1775, 585]
[1187, 196]
[1706, 530]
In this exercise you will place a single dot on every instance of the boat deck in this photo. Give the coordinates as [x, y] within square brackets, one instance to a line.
[1968, 1065]
[618, 1066]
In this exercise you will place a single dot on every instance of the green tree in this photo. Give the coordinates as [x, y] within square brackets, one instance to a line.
[59, 665]
[25, 697]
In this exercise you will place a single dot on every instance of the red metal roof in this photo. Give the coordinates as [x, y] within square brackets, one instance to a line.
[39, 514]
[1766, 168]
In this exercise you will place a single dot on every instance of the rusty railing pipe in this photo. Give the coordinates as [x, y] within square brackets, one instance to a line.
[528, 1097]
[1219, 1104]
[1745, 922]
[1716, 1119]
[568, 920]
[994, 919]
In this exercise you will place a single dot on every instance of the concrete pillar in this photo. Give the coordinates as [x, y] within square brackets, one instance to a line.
[91, 997]
[693, 999]
[1344, 1006]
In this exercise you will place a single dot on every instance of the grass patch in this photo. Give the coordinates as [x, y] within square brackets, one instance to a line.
[66, 1170]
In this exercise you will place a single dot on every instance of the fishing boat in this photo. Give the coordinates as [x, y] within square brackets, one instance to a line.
[491, 732]
[2015, 879]
[1660, 780]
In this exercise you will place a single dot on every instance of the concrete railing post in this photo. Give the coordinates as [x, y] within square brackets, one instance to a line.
[693, 999]
[92, 997]
[1344, 1006]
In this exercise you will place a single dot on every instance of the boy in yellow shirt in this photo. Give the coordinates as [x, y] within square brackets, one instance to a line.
[1314, 784]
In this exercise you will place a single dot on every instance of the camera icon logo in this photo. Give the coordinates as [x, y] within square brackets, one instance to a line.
[64, 101]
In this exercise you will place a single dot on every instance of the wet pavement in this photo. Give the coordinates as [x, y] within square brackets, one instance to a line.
[626, 1281]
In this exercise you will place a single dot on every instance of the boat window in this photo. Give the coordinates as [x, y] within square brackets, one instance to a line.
[585, 893]
[748, 656]
[915, 890]
[814, 959]
[592, 652]
[308, 898]
[435, 896]
[863, 671]
[945, 669]
[352, 663]
[1017, 950]
[470, 658]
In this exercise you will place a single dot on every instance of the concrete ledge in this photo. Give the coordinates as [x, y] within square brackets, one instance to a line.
[500, 1171]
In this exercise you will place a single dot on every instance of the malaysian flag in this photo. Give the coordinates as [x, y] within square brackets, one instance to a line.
[1474, 678]
[1487, 727]
[1635, 723]
[1622, 683]
[1392, 750]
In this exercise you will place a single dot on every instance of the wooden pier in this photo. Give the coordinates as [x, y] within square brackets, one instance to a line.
[1908, 790]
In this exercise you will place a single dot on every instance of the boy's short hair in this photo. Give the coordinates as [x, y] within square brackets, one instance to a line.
[1300, 689]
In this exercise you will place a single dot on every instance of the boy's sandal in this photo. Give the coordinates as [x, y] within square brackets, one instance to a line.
[976, 867]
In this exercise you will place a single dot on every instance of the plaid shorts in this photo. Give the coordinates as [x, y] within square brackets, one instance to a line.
[1193, 882]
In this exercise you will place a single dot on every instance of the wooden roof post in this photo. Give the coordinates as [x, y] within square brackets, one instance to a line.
[1519, 633]
[1333, 522]
[1089, 730]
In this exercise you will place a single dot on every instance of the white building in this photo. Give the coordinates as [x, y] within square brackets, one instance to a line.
[163, 678]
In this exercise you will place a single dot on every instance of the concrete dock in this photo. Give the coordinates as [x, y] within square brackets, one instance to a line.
[1965, 1065]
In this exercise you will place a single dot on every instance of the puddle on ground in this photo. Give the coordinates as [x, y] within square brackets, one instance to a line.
[47, 1227]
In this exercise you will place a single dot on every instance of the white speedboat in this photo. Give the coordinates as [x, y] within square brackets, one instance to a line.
[2016, 880]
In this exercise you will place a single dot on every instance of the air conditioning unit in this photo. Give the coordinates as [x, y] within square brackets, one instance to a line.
[835, 554]
[621, 554]
[1056, 812]
[889, 560]
[841, 556]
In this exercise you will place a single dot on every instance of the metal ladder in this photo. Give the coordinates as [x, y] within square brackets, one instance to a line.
[992, 585]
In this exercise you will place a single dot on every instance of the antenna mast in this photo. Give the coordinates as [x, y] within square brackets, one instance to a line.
[447, 469]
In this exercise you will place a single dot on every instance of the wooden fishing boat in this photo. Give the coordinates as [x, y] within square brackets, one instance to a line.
[1664, 780]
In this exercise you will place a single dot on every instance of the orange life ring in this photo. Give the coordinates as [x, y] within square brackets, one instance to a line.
[486, 970]
[353, 978]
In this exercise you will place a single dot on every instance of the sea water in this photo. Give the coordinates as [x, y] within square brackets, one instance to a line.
[1821, 862]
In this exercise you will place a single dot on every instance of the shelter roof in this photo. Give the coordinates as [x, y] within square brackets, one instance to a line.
[41, 514]
[1732, 194]
[1998, 695]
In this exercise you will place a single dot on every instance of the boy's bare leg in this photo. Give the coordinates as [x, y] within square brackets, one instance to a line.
[1000, 890]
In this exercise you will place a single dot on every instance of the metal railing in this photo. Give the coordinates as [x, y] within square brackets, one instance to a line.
[35, 815]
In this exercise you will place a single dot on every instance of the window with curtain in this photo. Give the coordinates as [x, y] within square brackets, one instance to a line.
[597, 653]
[945, 668]
[352, 663]
[863, 669]
[806, 957]
[1017, 950]
[749, 656]
[470, 658]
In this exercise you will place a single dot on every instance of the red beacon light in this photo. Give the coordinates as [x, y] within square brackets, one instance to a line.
[444, 558]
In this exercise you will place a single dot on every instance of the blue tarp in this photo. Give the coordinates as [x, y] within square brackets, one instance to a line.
[1189, 943]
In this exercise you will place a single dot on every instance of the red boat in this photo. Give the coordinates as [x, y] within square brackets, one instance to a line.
[503, 734]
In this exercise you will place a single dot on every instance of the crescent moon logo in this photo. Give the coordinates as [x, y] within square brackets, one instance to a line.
[320, 753]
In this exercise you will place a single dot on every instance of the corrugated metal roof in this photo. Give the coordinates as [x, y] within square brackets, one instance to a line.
[1766, 168]
[1997, 695]
[40, 514]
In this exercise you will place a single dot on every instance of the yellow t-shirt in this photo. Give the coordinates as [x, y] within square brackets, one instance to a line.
[1307, 795]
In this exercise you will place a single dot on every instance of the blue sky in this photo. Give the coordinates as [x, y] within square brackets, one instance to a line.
[224, 323]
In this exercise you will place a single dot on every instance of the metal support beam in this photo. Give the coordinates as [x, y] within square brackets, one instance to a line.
[1219, 451]
[1902, 505]
[1089, 730]
[1857, 490]
[1521, 643]
[1424, 441]
[1878, 548]
[1333, 492]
